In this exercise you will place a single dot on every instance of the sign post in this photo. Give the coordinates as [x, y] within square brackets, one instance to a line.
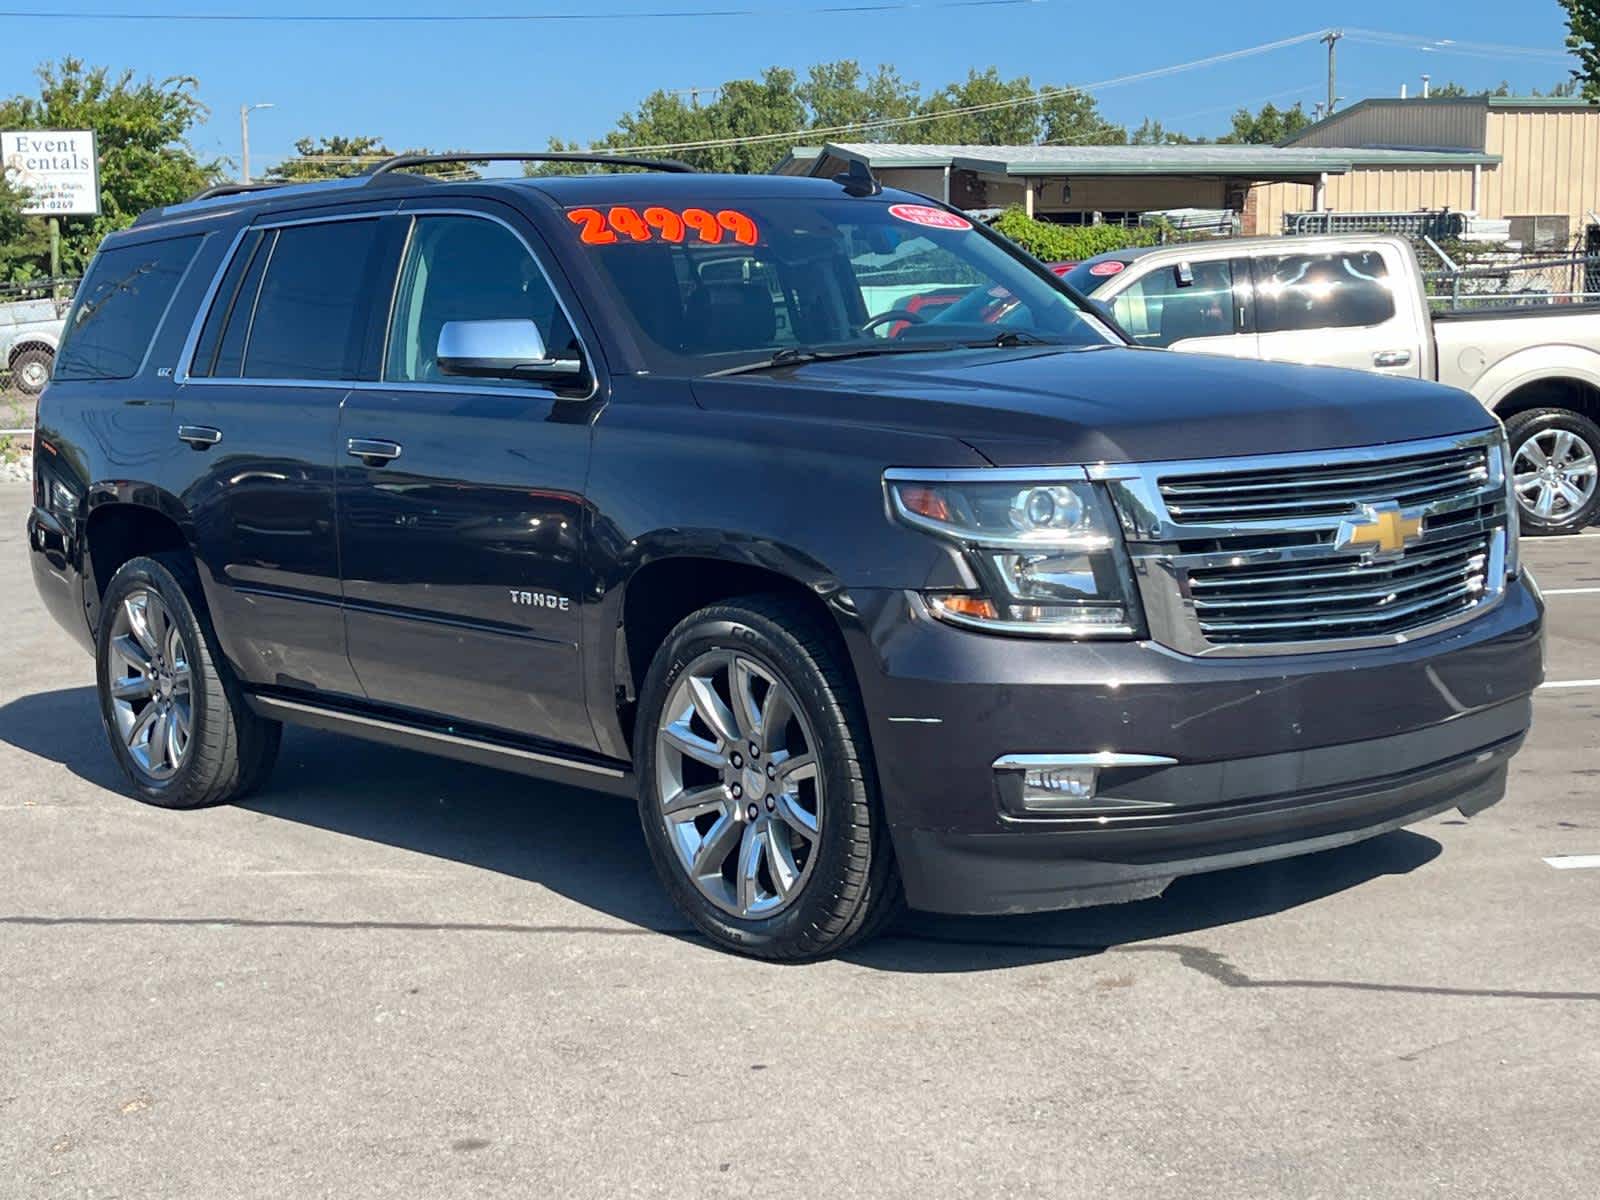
[59, 173]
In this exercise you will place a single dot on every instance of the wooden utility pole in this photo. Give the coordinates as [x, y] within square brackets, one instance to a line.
[1332, 38]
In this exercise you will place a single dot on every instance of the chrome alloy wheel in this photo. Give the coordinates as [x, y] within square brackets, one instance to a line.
[738, 782]
[1554, 473]
[152, 699]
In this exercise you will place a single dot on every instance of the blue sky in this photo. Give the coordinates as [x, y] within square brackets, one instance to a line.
[497, 86]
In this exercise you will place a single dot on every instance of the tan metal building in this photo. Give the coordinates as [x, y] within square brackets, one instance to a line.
[1085, 184]
[1536, 157]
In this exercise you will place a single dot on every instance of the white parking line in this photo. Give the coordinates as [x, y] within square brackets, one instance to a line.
[1574, 862]
[1570, 683]
[1570, 591]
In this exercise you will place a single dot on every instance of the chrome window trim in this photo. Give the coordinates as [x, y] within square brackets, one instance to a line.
[186, 357]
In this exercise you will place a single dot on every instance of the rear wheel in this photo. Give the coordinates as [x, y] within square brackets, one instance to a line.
[176, 719]
[30, 371]
[757, 795]
[1555, 467]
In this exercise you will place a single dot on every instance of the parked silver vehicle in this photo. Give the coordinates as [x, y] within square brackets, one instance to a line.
[30, 331]
[1358, 300]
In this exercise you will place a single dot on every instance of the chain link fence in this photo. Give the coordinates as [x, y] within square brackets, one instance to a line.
[1515, 283]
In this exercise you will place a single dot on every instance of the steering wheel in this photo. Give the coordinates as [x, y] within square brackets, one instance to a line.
[894, 314]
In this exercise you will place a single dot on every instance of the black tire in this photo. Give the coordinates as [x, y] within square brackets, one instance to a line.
[1531, 424]
[33, 357]
[854, 888]
[230, 749]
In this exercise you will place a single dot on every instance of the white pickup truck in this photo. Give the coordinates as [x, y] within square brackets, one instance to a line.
[30, 331]
[1358, 301]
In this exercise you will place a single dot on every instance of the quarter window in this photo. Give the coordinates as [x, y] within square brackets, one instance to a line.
[1163, 308]
[119, 306]
[467, 269]
[1346, 290]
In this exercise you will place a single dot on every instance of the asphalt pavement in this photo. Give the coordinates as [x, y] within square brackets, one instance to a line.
[389, 975]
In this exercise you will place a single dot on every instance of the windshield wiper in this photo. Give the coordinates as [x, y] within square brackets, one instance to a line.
[1015, 337]
[791, 356]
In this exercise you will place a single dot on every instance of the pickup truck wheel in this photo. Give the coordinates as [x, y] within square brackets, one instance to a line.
[757, 794]
[176, 719]
[1555, 467]
[30, 371]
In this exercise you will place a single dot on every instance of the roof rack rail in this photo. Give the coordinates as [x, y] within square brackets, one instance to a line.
[231, 189]
[614, 160]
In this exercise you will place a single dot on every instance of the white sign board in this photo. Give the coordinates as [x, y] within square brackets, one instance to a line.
[57, 168]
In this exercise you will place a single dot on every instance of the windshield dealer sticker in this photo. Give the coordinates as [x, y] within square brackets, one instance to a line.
[933, 218]
[655, 224]
[1106, 269]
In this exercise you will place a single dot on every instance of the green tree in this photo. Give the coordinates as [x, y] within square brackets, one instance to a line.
[328, 158]
[141, 129]
[843, 102]
[841, 93]
[24, 243]
[1268, 127]
[1453, 90]
[1583, 39]
[341, 157]
[1154, 133]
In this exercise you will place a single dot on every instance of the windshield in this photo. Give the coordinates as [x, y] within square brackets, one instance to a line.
[710, 289]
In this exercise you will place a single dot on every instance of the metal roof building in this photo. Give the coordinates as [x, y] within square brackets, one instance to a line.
[1540, 158]
[1081, 184]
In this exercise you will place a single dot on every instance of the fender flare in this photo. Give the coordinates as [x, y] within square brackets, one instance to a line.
[33, 341]
[1563, 363]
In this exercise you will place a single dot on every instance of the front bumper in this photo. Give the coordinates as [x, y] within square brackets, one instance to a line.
[1276, 756]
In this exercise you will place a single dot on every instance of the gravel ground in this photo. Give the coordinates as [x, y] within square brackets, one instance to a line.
[388, 975]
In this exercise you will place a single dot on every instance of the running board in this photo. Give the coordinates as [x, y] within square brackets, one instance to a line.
[539, 764]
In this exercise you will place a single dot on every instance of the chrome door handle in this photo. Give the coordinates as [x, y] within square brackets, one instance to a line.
[1391, 358]
[372, 450]
[199, 436]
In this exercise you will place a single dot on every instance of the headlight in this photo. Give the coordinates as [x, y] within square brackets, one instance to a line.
[1513, 509]
[1047, 552]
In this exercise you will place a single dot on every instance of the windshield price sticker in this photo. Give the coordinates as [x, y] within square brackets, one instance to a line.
[655, 224]
[932, 218]
[1102, 270]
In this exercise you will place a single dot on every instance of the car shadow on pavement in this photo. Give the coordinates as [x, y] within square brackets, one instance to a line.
[587, 847]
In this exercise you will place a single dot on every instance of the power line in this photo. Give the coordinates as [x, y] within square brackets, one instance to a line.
[1452, 46]
[866, 6]
[965, 110]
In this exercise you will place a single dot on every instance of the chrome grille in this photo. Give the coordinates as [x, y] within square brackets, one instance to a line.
[1254, 555]
[1334, 490]
[1333, 596]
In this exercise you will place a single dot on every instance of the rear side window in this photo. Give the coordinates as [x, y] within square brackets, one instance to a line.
[1346, 290]
[295, 303]
[1164, 308]
[119, 306]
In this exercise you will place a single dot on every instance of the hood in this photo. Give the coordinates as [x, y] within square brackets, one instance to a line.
[1043, 407]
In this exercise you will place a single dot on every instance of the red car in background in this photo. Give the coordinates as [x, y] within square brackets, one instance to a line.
[989, 311]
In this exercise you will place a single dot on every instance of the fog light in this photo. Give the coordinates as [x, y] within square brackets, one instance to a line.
[1067, 784]
[1050, 789]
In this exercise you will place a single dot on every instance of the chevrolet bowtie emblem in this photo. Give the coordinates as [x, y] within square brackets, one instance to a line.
[1382, 529]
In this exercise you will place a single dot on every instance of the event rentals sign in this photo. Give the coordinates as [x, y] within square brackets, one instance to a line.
[56, 168]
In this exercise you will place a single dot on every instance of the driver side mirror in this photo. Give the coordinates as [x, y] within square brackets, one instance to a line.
[505, 349]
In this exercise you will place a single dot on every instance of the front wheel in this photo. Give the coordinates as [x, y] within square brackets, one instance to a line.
[757, 793]
[1554, 457]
